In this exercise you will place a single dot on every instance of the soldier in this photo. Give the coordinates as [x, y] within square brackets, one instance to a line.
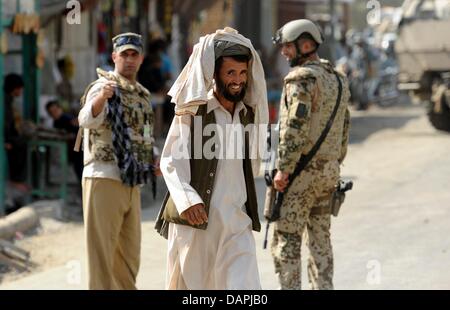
[309, 96]
[117, 121]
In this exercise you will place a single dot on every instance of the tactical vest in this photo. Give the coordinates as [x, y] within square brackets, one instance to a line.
[204, 185]
[322, 106]
[138, 116]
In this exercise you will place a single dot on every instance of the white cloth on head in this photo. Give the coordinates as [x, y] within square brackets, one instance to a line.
[196, 79]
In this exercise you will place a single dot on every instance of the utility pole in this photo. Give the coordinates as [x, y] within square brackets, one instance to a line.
[333, 28]
[2, 134]
[332, 16]
[247, 19]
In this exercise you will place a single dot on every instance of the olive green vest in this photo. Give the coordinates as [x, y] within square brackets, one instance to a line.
[204, 186]
[138, 116]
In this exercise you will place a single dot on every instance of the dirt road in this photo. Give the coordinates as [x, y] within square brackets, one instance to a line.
[392, 233]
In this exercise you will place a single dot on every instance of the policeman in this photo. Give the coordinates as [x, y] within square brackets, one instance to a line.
[117, 121]
[310, 94]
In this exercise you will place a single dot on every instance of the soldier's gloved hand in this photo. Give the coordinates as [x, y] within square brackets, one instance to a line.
[280, 181]
[195, 215]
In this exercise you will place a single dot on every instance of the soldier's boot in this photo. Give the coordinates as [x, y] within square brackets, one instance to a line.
[285, 250]
[320, 262]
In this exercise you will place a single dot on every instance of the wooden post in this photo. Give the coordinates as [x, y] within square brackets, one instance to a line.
[30, 77]
[333, 20]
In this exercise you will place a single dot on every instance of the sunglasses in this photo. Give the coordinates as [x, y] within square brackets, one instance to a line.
[128, 40]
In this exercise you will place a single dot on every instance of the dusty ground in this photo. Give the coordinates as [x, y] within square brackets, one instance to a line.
[60, 237]
[52, 244]
[392, 232]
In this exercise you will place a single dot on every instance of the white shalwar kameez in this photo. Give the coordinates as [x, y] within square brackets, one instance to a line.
[224, 255]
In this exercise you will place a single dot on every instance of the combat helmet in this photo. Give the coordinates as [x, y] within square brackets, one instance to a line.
[292, 31]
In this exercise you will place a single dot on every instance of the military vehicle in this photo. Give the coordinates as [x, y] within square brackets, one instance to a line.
[423, 55]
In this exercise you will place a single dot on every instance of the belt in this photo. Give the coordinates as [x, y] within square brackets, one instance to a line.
[323, 157]
[320, 210]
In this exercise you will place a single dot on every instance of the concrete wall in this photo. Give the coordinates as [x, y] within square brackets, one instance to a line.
[78, 41]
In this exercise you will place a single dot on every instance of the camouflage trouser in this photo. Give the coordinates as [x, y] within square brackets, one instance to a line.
[313, 189]
[286, 253]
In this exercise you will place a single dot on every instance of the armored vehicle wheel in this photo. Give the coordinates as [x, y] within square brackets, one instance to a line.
[439, 114]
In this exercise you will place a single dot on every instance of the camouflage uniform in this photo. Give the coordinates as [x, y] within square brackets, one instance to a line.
[111, 208]
[309, 97]
[138, 115]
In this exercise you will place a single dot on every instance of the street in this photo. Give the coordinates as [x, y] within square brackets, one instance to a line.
[392, 231]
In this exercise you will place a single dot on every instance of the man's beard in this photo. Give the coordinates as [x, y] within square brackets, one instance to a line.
[223, 90]
[296, 61]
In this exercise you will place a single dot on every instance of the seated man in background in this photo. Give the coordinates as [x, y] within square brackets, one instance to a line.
[15, 142]
[69, 124]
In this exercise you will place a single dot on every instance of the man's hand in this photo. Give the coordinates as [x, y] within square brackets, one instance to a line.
[74, 122]
[195, 215]
[106, 92]
[8, 146]
[280, 181]
[156, 168]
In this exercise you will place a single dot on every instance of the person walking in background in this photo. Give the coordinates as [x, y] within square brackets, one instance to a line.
[69, 124]
[15, 142]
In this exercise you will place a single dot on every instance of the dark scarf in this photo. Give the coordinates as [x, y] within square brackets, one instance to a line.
[132, 172]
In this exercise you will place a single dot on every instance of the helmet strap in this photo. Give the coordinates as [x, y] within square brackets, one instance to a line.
[296, 61]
